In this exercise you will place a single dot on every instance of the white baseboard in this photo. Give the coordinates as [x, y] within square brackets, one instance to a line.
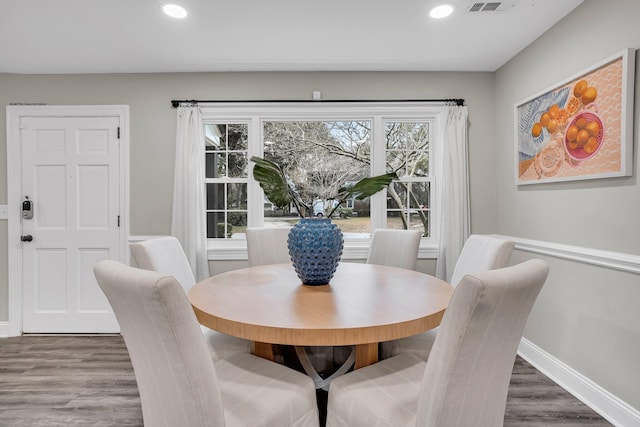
[4, 329]
[610, 407]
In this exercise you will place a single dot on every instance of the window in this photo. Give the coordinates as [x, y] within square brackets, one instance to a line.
[407, 153]
[320, 157]
[226, 172]
[323, 146]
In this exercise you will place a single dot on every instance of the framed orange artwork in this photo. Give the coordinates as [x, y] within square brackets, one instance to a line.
[581, 128]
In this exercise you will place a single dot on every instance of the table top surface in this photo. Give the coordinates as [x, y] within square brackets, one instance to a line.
[363, 303]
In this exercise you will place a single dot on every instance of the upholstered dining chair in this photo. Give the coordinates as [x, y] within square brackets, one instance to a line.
[179, 383]
[165, 255]
[479, 253]
[267, 245]
[395, 248]
[465, 380]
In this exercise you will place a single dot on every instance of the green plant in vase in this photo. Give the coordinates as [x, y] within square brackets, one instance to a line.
[315, 244]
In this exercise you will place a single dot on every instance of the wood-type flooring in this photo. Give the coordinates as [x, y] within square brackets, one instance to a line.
[88, 381]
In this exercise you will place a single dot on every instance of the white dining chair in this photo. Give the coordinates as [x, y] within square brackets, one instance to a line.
[179, 382]
[165, 255]
[479, 253]
[395, 248]
[267, 245]
[465, 380]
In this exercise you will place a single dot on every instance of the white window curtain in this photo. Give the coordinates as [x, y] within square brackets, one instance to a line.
[188, 223]
[454, 214]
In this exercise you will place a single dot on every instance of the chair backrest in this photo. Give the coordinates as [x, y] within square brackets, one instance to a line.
[267, 245]
[173, 368]
[469, 368]
[481, 253]
[395, 248]
[164, 255]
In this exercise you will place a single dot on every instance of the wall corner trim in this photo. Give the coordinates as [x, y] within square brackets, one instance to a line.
[610, 407]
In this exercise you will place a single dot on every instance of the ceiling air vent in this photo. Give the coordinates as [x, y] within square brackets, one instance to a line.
[494, 6]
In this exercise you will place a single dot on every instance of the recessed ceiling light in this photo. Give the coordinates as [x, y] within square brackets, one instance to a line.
[441, 11]
[174, 11]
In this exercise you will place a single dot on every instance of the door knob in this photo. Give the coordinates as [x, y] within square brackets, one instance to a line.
[26, 238]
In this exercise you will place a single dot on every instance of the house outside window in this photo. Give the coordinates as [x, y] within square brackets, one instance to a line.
[322, 146]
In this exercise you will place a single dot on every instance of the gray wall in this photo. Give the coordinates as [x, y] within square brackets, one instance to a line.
[587, 316]
[153, 126]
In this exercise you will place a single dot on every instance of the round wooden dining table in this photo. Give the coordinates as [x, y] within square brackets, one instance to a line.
[363, 305]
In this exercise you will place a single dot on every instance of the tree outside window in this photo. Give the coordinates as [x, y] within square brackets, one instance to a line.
[320, 156]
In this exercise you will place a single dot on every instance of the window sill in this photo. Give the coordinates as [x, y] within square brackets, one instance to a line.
[237, 251]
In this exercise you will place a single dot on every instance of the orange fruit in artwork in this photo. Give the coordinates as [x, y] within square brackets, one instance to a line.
[544, 119]
[572, 133]
[562, 117]
[553, 111]
[582, 137]
[593, 128]
[552, 126]
[589, 95]
[573, 145]
[591, 145]
[536, 130]
[579, 88]
[581, 123]
[573, 105]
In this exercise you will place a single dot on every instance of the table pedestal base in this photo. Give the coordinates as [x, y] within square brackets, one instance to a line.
[264, 350]
[362, 355]
[366, 354]
[320, 382]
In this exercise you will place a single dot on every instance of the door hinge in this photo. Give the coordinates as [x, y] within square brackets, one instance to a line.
[118, 132]
[118, 221]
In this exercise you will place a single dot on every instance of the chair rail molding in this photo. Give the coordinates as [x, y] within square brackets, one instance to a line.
[608, 259]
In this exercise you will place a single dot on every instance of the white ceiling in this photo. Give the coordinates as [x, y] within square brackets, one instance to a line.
[132, 36]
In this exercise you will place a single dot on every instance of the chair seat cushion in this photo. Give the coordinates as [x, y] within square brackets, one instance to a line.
[247, 404]
[222, 345]
[418, 345]
[383, 394]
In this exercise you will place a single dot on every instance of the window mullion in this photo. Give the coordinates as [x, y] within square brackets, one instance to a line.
[255, 216]
[378, 167]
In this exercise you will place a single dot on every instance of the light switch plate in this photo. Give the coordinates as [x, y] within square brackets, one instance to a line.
[4, 212]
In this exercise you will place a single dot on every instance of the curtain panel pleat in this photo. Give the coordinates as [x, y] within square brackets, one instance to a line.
[454, 204]
[188, 222]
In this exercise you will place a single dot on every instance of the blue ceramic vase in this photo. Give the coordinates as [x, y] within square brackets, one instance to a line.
[315, 246]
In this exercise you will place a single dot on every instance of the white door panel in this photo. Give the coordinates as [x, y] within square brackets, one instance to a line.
[71, 173]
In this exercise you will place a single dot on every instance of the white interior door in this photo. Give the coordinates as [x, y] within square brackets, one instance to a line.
[71, 174]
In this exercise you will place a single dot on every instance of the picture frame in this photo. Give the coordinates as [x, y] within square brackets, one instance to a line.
[580, 128]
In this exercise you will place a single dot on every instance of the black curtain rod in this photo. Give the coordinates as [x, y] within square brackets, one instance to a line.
[176, 102]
